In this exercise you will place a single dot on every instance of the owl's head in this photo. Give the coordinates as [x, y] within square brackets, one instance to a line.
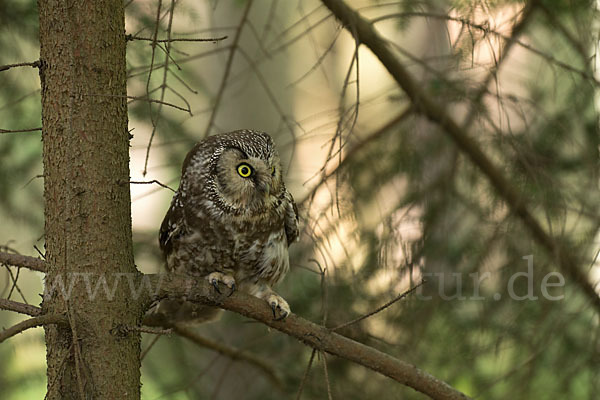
[245, 171]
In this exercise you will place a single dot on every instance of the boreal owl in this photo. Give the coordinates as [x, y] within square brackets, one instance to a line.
[231, 221]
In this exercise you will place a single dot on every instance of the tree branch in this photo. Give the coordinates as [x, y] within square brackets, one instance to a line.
[20, 130]
[315, 336]
[214, 40]
[21, 308]
[366, 34]
[18, 260]
[32, 323]
[34, 64]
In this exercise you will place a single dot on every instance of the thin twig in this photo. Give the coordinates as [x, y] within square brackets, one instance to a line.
[379, 309]
[166, 66]
[220, 381]
[163, 103]
[145, 98]
[229, 352]
[214, 40]
[486, 30]
[150, 346]
[32, 323]
[357, 148]
[517, 30]
[158, 320]
[20, 130]
[21, 308]
[228, 65]
[15, 285]
[326, 373]
[154, 181]
[306, 371]
[34, 64]
[263, 81]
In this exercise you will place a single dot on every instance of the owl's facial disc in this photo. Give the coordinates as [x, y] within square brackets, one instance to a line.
[244, 182]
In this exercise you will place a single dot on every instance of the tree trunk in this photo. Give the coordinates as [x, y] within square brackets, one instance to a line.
[87, 204]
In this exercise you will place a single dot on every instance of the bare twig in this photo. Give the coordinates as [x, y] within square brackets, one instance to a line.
[379, 309]
[486, 30]
[157, 320]
[517, 30]
[166, 66]
[306, 372]
[214, 40]
[21, 308]
[567, 259]
[326, 373]
[150, 346]
[313, 335]
[20, 130]
[228, 64]
[14, 286]
[154, 181]
[32, 323]
[147, 99]
[18, 260]
[229, 352]
[34, 64]
[356, 149]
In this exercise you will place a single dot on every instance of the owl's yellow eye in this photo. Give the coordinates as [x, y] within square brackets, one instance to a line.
[244, 170]
[272, 171]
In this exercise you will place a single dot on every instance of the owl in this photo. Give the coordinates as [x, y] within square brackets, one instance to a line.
[231, 221]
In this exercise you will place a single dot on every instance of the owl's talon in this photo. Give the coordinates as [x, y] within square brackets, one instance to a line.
[231, 289]
[215, 284]
[279, 306]
[215, 278]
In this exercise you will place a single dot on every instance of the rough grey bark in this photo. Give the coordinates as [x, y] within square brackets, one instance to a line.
[87, 211]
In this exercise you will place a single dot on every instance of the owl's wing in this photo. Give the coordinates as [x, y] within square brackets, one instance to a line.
[172, 226]
[291, 219]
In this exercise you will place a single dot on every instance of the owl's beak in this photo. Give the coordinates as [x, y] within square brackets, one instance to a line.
[264, 189]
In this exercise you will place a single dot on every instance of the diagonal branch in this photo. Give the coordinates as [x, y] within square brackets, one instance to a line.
[32, 323]
[159, 321]
[380, 308]
[366, 33]
[18, 260]
[313, 335]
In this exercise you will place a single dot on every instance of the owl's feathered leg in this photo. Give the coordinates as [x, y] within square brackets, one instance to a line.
[215, 278]
[263, 291]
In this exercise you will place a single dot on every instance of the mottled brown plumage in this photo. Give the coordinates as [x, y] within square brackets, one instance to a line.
[231, 221]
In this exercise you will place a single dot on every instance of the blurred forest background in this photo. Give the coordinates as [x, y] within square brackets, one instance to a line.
[386, 198]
